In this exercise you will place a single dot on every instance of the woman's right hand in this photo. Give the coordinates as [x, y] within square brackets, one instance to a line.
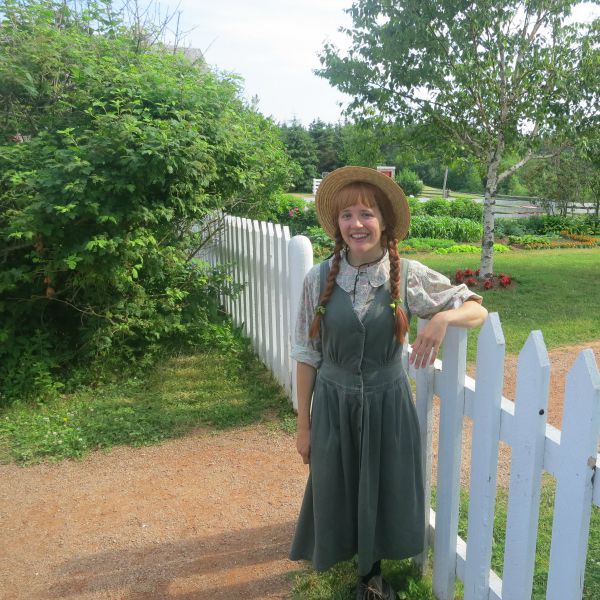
[303, 444]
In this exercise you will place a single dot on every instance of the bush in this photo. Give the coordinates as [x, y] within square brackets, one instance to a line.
[410, 182]
[415, 206]
[316, 234]
[450, 228]
[102, 196]
[505, 227]
[544, 224]
[296, 213]
[437, 207]
[466, 208]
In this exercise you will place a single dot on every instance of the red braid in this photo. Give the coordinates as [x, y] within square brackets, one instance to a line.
[315, 326]
[401, 324]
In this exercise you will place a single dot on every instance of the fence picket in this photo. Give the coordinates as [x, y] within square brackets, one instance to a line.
[533, 376]
[573, 499]
[287, 316]
[484, 457]
[249, 272]
[264, 291]
[424, 406]
[451, 417]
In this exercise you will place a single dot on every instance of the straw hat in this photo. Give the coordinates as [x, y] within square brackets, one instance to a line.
[336, 180]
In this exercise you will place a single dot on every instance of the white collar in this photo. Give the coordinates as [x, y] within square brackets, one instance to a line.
[377, 273]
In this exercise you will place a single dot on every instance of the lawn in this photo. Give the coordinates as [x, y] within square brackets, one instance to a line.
[209, 389]
[555, 291]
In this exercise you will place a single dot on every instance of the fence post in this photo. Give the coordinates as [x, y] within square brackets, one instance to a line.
[300, 261]
[424, 404]
[484, 457]
[533, 376]
[452, 398]
[573, 499]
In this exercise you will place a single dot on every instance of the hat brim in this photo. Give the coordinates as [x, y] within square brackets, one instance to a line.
[326, 206]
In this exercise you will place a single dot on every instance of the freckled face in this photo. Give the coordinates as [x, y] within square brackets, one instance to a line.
[361, 228]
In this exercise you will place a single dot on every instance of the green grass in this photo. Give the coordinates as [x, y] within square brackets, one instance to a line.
[339, 582]
[555, 291]
[208, 389]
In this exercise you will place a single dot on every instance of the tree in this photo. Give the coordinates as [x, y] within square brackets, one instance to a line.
[328, 142]
[488, 77]
[567, 179]
[302, 149]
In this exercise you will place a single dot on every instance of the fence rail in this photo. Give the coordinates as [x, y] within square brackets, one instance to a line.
[272, 267]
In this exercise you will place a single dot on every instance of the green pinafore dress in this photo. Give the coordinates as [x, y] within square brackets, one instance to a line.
[364, 494]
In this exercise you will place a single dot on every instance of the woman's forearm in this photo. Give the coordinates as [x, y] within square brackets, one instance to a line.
[470, 314]
[305, 383]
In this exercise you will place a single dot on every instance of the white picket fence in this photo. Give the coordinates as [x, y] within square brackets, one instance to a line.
[272, 266]
[258, 254]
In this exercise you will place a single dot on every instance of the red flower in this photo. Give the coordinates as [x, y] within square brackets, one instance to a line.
[471, 281]
[477, 272]
[469, 273]
[488, 284]
[459, 276]
[504, 280]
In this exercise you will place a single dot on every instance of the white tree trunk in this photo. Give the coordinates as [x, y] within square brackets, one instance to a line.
[489, 206]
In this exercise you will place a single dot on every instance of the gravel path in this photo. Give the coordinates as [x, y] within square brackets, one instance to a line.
[208, 516]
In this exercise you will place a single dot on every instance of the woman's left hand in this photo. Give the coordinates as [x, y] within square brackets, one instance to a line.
[428, 341]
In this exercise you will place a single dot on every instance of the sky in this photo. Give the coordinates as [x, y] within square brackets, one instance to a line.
[274, 45]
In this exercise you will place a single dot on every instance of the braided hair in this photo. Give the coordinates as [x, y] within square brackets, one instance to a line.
[370, 196]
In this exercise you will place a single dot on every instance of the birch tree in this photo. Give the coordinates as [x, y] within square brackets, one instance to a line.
[491, 77]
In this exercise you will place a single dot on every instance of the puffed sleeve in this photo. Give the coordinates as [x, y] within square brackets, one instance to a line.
[430, 292]
[306, 349]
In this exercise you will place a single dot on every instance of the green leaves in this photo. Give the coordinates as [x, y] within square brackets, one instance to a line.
[123, 151]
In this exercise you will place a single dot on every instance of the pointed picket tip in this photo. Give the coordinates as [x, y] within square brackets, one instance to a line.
[492, 331]
[583, 373]
[534, 352]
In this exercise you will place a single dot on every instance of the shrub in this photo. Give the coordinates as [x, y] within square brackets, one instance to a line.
[450, 228]
[296, 213]
[505, 227]
[415, 206]
[544, 224]
[410, 182]
[121, 158]
[437, 207]
[466, 208]
[316, 234]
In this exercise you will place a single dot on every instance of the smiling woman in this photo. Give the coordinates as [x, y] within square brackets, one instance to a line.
[357, 425]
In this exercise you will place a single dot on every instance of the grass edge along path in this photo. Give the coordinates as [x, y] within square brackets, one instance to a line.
[208, 389]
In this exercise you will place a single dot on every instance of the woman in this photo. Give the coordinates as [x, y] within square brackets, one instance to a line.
[360, 433]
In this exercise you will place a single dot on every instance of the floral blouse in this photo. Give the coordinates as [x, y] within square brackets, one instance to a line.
[428, 292]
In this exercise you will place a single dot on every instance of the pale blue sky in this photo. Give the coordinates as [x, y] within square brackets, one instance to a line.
[274, 46]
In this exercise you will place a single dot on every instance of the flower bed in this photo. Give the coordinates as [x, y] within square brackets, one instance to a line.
[470, 278]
